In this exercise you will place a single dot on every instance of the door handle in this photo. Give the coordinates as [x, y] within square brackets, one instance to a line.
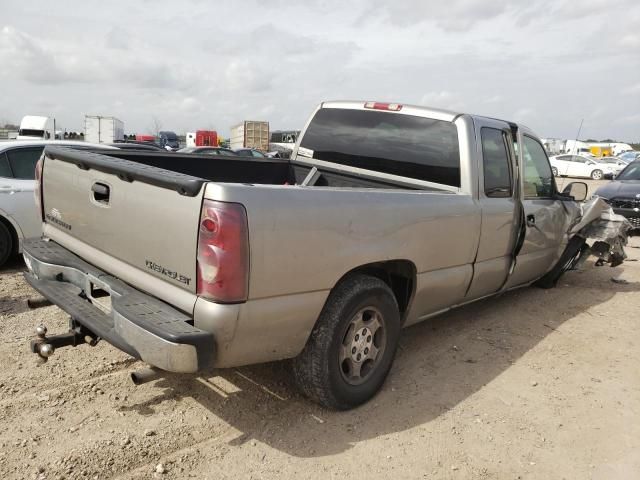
[531, 220]
[101, 192]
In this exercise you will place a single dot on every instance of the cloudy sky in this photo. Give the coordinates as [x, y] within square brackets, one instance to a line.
[205, 64]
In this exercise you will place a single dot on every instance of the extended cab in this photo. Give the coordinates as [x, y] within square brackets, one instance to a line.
[385, 215]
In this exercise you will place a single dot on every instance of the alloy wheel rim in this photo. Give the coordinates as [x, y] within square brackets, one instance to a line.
[362, 346]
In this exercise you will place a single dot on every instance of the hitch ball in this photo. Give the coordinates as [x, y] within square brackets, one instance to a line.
[46, 350]
[41, 331]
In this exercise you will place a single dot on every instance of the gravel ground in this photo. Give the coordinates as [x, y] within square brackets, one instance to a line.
[535, 384]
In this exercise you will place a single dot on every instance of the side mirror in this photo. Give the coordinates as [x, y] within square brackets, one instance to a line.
[576, 190]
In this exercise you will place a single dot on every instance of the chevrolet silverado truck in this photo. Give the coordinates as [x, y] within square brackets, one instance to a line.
[385, 215]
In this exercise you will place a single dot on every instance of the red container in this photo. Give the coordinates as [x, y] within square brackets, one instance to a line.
[206, 138]
[145, 138]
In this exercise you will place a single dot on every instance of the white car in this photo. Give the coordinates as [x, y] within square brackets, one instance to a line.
[18, 216]
[614, 161]
[582, 166]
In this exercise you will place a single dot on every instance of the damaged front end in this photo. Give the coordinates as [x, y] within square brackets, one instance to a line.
[594, 229]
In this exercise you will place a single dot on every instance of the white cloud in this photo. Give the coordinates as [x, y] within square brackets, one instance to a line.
[548, 63]
[28, 58]
[523, 115]
[117, 38]
[443, 99]
[630, 40]
[632, 89]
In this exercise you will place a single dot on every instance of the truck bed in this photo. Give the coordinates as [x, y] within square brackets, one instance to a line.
[262, 171]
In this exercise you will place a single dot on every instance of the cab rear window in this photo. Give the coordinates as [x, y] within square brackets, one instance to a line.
[405, 145]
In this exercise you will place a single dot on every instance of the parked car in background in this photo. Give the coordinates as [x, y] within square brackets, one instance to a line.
[582, 166]
[629, 156]
[623, 194]
[208, 150]
[251, 152]
[614, 161]
[133, 145]
[19, 217]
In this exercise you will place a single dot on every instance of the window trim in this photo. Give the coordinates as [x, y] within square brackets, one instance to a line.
[21, 148]
[13, 175]
[553, 180]
[505, 144]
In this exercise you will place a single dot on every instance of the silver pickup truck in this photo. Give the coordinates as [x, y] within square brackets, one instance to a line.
[385, 215]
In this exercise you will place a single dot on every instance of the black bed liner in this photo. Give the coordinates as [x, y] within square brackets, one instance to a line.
[127, 170]
[187, 173]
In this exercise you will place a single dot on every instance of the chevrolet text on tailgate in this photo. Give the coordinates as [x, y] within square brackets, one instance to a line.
[385, 215]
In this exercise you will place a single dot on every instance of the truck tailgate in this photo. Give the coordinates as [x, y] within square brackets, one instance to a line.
[125, 210]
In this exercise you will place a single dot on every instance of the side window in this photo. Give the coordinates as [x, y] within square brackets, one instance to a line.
[23, 162]
[538, 179]
[496, 163]
[5, 169]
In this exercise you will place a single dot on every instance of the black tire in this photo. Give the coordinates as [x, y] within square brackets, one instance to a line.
[6, 244]
[567, 259]
[597, 175]
[318, 371]
[554, 170]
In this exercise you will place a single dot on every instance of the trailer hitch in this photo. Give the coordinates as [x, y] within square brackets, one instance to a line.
[44, 346]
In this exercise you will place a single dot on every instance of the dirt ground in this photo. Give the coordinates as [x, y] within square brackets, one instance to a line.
[535, 384]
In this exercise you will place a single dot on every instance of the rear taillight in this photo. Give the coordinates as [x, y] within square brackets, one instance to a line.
[37, 191]
[223, 252]
[394, 107]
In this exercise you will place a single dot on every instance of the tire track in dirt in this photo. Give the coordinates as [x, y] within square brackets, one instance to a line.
[472, 407]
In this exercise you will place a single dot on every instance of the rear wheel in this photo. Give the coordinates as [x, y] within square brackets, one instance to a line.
[6, 243]
[596, 175]
[554, 170]
[352, 346]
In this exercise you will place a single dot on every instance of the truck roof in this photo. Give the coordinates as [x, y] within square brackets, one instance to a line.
[33, 122]
[419, 111]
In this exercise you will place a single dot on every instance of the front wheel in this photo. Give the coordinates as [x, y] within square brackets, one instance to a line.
[596, 175]
[352, 346]
[554, 170]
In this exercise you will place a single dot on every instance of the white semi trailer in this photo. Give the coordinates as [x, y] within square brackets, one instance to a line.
[99, 129]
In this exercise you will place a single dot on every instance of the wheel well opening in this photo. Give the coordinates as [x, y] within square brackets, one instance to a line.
[13, 233]
[400, 275]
